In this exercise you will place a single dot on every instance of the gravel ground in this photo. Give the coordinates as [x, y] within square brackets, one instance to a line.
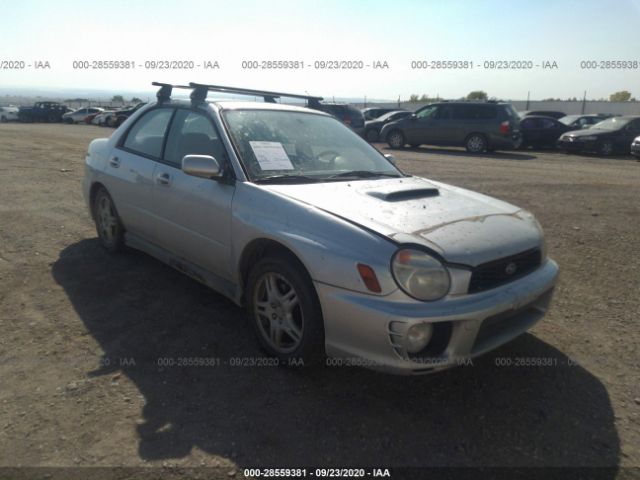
[82, 332]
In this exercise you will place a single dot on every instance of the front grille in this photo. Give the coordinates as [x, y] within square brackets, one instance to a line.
[498, 272]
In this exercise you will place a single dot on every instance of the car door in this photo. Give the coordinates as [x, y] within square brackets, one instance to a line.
[419, 129]
[624, 138]
[531, 127]
[194, 213]
[550, 132]
[130, 169]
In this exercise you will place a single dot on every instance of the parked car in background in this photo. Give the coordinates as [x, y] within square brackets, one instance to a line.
[372, 113]
[635, 148]
[538, 131]
[42, 112]
[372, 127]
[545, 113]
[479, 127]
[102, 118]
[613, 135]
[89, 118]
[347, 114]
[120, 116]
[80, 115]
[577, 122]
[8, 114]
[326, 243]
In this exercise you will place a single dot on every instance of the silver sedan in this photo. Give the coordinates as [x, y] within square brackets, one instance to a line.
[330, 247]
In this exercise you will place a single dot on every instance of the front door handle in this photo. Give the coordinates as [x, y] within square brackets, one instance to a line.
[163, 179]
[114, 162]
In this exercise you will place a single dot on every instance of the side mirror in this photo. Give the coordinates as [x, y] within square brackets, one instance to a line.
[390, 157]
[413, 117]
[203, 166]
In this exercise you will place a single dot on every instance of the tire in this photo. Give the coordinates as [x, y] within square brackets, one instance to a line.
[395, 139]
[606, 148]
[371, 135]
[415, 145]
[4, 119]
[476, 143]
[288, 333]
[108, 224]
[68, 121]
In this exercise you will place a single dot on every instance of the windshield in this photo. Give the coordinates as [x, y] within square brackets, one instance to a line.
[276, 144]
[387, 116]
[569, 119]
[611, 124]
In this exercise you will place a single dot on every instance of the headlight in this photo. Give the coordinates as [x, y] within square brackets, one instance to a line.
[420, 275]
[589, 138]
[543, 244]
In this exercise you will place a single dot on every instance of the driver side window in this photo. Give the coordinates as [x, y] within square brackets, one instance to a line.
[427, 112]
[192, 133]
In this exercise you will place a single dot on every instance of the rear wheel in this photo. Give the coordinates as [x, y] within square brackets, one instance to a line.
[395, 139]
[476, 143]
[371, 135]
[108, 224]
[284, 310]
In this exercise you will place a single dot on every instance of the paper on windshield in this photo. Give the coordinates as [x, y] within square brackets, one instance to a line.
[271, 156]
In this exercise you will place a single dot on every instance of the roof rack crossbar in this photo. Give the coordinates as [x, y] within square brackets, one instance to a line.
[200, 91]
[268, 96]
[164, 93]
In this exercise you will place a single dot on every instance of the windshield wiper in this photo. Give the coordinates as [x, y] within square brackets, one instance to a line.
[284, 178]
[363, 174]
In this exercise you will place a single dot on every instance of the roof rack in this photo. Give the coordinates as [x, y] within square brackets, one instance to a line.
[200, 91]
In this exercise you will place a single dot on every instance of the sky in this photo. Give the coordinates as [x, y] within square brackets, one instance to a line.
[563, 31]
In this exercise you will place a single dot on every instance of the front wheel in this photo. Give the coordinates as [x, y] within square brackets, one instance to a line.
[108, 223]
[476, 143]
[395, 139]
[284, 310]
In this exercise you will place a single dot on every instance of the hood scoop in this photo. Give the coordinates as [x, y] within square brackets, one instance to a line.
[402, 194]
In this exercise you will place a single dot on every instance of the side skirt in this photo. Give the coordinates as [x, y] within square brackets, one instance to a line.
[211, 280]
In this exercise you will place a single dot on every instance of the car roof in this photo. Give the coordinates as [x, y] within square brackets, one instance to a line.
[235, 105]
[546, 117]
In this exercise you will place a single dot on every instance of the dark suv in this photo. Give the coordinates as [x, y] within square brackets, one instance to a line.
[350, 116]
[479, 127]
[42, 112]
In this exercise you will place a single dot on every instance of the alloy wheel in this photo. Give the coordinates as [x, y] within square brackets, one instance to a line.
[278, 313]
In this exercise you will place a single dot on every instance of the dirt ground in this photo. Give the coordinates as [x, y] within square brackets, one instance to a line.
[83, 334]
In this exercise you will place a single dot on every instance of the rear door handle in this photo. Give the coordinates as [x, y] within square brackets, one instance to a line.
[163, 179]
[114, 162]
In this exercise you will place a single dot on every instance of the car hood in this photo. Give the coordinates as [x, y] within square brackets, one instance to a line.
[587, 132]
[463, 226]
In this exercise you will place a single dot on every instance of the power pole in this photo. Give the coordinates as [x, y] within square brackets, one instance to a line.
[528, 96]
[584, 102]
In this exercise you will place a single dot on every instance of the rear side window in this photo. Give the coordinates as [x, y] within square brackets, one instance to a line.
[147, 135]
[475, 112]
[192, 134]
[530, 123]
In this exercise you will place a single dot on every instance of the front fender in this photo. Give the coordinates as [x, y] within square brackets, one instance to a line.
[328, 246]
